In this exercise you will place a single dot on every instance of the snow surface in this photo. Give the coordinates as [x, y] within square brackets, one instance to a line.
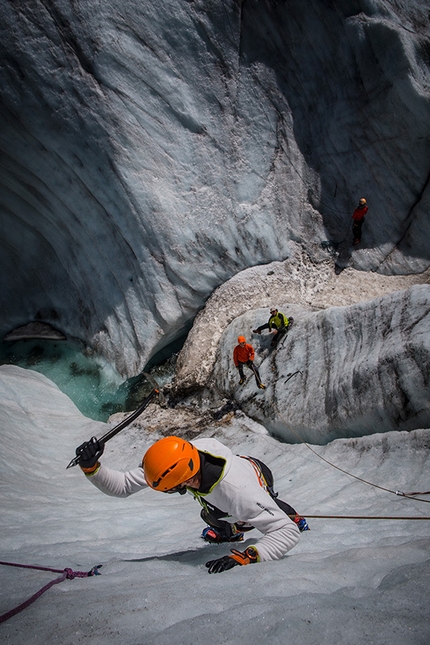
[347, 581]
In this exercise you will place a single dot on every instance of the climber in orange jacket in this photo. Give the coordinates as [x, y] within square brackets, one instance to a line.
[243, 354]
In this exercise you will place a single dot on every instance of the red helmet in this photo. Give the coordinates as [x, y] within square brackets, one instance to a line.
[170, 462]
[241, 339]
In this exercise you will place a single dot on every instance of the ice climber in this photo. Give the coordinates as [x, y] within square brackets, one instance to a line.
[236, 493]
[244, 354]
[278, 324]
[358, 220]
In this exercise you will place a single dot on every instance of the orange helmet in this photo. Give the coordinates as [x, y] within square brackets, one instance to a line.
[241, 339]
[170, 462]
[362, 201]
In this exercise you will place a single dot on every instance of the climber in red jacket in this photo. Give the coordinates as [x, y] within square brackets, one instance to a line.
[358, 220]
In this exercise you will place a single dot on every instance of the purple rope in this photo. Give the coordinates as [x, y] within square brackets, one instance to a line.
[65, 573]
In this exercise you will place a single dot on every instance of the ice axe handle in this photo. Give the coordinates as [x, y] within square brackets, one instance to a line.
[123, 424]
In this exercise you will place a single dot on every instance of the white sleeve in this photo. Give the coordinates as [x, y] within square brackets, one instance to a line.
[280, 533]
[116, 483]
[276, 543]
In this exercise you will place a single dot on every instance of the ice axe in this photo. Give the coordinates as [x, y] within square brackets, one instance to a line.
[123, 424]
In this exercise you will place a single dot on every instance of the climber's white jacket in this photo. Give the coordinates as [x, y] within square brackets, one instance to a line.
[239, 493]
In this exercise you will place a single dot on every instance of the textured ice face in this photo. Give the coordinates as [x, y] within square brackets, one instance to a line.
[340, 372]
[153, 150]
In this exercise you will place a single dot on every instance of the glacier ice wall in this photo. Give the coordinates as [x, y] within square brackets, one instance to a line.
[150, 151]
[339, 372]
[305, 283]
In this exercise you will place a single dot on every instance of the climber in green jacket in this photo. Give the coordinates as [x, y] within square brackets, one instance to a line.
[278, 324]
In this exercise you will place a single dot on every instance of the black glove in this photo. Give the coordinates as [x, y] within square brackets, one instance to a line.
[249, 556]
[89, 453]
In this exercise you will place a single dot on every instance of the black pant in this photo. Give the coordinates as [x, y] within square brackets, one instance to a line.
[277, 337]
[356, 228]
[261, 327]
[210, 517]
[252, 367]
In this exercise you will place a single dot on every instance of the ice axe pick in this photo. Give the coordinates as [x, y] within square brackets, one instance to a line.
[123, 424]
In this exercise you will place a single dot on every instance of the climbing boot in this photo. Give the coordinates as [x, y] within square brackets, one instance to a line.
[214, 536]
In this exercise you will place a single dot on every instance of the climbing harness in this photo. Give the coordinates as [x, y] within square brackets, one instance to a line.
[262, 479]
[67, 573]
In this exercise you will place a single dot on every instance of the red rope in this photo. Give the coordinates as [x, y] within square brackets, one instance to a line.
[362, 517]
[65, 573]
